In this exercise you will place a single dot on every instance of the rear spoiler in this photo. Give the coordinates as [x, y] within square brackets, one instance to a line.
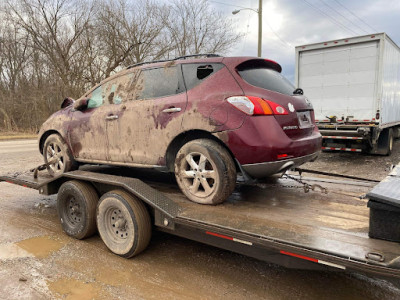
[259, 63]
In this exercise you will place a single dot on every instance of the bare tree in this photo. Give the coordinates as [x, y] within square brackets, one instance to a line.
[55, 27]
[195, 28]
[50, 49]
[131, 32]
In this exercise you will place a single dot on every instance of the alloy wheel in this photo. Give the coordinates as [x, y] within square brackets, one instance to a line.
[199, 175]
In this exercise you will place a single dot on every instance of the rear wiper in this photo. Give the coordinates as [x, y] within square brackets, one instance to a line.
[298, 91]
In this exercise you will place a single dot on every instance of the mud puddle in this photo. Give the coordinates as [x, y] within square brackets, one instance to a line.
[42, 246]
[72, 289]
[12, 251]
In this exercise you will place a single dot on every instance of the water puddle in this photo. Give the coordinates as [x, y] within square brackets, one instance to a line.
[41, 246]
[72, 289]
[11, 251]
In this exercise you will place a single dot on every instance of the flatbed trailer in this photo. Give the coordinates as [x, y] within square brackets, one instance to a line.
[274, 222]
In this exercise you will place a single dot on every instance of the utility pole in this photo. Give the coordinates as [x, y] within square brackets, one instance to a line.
[259, 27]
[259, 11]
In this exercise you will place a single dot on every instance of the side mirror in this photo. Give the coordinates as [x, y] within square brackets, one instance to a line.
[67, 102]
[81, 104]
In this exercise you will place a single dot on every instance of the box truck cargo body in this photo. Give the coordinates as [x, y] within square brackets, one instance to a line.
[354, 86]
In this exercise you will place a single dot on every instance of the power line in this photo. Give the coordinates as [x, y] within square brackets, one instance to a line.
[331, 18]
[343, 16]
[355, 16]
[276, 34]
[247, 30]
[227, 4]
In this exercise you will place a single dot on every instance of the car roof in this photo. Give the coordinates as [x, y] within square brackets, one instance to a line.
[231, 62]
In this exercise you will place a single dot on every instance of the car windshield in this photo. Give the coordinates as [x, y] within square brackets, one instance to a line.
[267, 79]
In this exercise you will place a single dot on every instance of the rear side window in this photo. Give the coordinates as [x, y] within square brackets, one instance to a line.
[194, 74]
[160, 82]
[267, 79]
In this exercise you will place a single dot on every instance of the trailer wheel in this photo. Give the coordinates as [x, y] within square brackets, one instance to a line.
[57, 156]
[123, 223]
[205, 171]
[385, 142]
[76, 207]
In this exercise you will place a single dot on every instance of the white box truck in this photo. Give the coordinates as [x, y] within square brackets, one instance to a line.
[354, 86]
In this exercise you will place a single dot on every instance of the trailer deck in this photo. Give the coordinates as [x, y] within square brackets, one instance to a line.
[276, 222]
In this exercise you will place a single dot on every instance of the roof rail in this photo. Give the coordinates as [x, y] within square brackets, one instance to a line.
[176, 58]
[196, 55]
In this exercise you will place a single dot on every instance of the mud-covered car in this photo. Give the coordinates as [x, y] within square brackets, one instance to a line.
[205, 119]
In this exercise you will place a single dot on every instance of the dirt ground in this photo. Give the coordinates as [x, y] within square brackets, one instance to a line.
[38, 261]
[356, 164]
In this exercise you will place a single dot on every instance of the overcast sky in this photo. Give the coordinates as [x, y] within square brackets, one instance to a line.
[289, 23]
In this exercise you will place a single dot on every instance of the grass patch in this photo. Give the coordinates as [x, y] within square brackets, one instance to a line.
[16, 135]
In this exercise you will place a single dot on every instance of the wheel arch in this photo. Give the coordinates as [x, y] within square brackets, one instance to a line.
[186, 137]
[44, 136]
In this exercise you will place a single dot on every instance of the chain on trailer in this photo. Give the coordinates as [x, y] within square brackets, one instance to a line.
[41, 167]
[306, 186]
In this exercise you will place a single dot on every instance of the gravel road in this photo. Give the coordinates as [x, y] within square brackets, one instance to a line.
[38, 261]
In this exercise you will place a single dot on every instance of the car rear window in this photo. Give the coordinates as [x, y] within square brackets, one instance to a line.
[267, 79]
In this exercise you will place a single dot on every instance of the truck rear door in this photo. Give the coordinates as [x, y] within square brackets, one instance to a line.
[341, 81]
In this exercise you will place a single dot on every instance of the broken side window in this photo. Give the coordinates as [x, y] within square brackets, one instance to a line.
[159, 82]
[117, 90]
[96, 98]
[196, 73]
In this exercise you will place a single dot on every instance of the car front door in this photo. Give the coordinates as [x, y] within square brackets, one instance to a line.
[87, 130]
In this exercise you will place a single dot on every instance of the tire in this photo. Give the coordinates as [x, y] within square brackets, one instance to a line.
[123, 223]
[57, 156]
[205, 171]
[76, 207]
[385, 142]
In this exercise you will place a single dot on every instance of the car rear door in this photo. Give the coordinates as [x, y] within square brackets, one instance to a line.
[149, 118]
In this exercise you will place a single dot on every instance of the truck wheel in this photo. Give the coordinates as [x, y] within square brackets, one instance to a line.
[205, 171]
[57, 156]
[385, 142]
[123, 223]
[76, 207]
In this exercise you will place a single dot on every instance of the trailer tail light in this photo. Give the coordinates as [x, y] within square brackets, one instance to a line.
[377, 115]
[256, 106]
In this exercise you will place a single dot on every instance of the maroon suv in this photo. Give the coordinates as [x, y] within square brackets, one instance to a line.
[204, 119]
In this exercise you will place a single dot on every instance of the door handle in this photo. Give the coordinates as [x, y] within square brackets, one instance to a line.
[172, 110]
[112, 117]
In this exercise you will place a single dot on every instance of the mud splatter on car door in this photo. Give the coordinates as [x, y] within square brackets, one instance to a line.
[151, 116]
[86, 126]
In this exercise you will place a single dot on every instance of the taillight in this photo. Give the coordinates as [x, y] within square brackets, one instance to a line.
[276, 108]
[256, 106]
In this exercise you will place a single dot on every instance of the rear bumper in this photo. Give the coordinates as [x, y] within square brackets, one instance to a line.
[261, 170]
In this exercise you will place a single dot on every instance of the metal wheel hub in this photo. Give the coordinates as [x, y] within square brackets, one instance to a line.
[55, 157]
[74, 211]
[117, 224]
[199, 174]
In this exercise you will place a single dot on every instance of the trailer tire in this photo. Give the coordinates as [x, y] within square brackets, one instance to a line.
[385, 142]
[123, 223]
[55, 148]
[209, 189]
[76, 207]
